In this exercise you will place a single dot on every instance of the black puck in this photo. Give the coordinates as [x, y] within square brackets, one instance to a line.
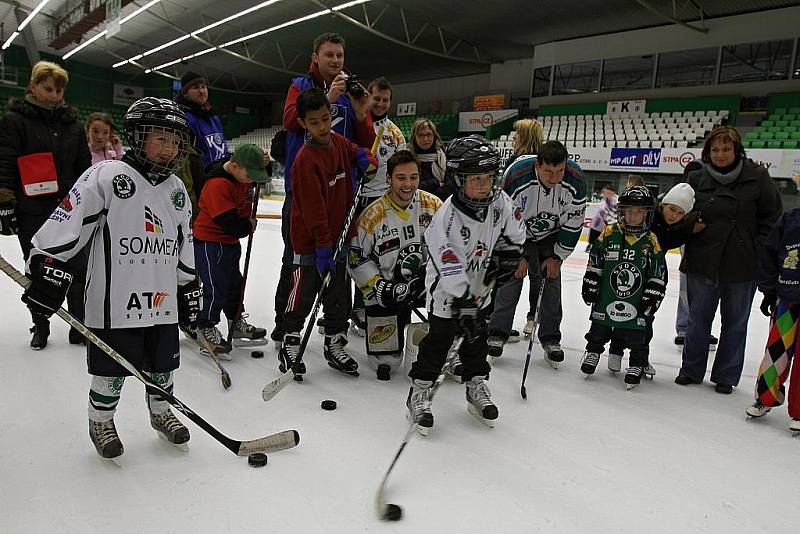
[257, 354]
[392, 513]
[384, 371]
[328, 405]
[257, 459]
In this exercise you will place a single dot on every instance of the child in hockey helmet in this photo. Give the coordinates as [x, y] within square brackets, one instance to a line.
[635, 210]
[475, 167]
[158, 134]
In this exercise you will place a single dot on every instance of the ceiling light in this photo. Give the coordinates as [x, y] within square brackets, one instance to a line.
[25, 23]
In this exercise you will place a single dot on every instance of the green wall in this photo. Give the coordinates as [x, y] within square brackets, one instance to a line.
[784, 100]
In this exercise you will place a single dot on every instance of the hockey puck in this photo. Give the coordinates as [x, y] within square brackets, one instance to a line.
[392, 512]
[257, 354]
[257, 459]
[384, 371]
[328, 405]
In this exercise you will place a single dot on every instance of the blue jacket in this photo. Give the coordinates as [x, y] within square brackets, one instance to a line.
[209, 138]
[344, 120]
[779, 258]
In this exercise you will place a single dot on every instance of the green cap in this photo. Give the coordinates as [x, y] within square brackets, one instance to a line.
[251, 158]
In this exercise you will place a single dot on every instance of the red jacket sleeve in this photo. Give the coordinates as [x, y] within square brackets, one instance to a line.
[290, 110]
[364, 132]
[308, 185]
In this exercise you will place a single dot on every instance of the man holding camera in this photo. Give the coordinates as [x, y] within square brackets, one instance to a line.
[349, 106]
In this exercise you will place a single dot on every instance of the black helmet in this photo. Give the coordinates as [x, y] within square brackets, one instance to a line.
[473, 155]
[636, 196]
[147, 114]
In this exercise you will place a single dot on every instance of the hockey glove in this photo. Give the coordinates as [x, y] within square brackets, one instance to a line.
[390, 294]
[189, 304]
[768, 304]
[8, 213]
[502, 266]
[50, 281]
[325, 261]
[465, 315]
[652, 296]
[591, 287]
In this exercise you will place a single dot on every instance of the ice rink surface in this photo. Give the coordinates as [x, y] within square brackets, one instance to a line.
[578, 456]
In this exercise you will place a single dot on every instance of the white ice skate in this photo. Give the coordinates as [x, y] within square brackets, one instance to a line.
[553, 354]
[528, 330]
[479, 402]
[419, 405]
[758, 409]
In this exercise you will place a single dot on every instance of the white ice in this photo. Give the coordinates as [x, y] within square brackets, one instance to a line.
[578, 456]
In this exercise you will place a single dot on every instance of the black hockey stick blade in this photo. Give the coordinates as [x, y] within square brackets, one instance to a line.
[274, 442]
[522, 390]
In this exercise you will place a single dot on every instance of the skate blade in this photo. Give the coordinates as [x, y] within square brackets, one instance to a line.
[649, 376]
[473, 411]
[553, 364]
[244, 342]
[180, 446]
[631, 386]
[348, 373]
[421, 430]
[614, 371]
[588, 375]
[223, 357]
[360, 332]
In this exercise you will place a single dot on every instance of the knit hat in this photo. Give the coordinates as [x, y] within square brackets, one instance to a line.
[682, 195]
[251, 158]
[190, 78]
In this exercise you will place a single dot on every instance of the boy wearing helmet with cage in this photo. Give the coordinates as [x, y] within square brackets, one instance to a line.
[624, 283]
[475, 238]
[135, 214]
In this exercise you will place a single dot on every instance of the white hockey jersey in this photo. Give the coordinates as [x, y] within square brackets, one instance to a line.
[461, 247]
[389, 139]
[388, 244]
[141, 244]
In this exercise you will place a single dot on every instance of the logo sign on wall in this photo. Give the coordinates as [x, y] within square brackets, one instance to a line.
[625, 108]
[635, 158]
[489, 102]
[478, 121]
[125, 95]
[408, 108]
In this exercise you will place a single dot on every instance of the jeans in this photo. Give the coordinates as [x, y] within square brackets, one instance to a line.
[734, 300]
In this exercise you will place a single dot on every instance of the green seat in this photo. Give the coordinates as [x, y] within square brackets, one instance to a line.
[752, 135]
[782, 135]
[774, 144]
[766, 135]
[767, 124]
[775, 129]
[796, 111]
[775, 116]
[789, 117]
[747, 143]
[758, 144]
[795, 123]
[779, 111]
[781, 124]
[794, 135]
[791, 144]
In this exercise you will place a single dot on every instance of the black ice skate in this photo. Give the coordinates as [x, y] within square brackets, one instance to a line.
[40, 331]
[514, 337]
[106, 441]
[169, 427]
[479, 402]
[589, 363]
[210, 339]
[649, 372]
[337, 357]
[633, 376]
[288, 354]
[495, 344]
[419, 405]
[553, 354]
[245, 334]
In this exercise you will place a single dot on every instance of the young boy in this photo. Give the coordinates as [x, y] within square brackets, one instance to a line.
[141, 278]
[323, 186]
[225, 216]
[387, 259]
[672, 225]
[624, 283]
[779, 281]
[465, 240]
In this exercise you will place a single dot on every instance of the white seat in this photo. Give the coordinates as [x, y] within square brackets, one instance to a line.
[699, 113]
[681, 144]
[688, 113]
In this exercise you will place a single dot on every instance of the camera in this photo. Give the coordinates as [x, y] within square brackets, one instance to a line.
[353, 87]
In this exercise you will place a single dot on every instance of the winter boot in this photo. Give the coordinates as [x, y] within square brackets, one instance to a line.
[337, 357]
[589, 363]
[358, 321]
[758, 409]
[479, 401]
[169, 427]
[40, 331]
[290, 350]
[75, 337]
[419, 405]
[614, 362]
[633, 375]
[104, 436]
[553, 354]
[211, 339]
[244, 332]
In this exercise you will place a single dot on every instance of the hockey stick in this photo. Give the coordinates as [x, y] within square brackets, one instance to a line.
[419, 314]
[274, 442]
[522, 390]
[239, 308]
[223, 374]
[393, 512]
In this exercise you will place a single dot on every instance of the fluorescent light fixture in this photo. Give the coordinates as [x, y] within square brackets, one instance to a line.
[104, 32]
[10, 40]
[25, 23]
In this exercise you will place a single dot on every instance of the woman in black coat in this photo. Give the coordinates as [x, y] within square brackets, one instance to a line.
[739, 203]
[43, 151]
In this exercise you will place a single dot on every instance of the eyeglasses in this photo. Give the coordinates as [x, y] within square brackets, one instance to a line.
[425, 134]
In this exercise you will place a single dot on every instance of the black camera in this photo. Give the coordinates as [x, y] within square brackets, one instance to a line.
[353, 87]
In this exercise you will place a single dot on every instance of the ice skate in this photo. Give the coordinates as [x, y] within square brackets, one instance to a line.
[105, 439]
[321, 326]
[290, 349]
[495, 344]
[758, 409]
[589, 363]
[210, 339]
[528, 330]
[453, 369]
[514, 337]
[40, 331]
[649, 371]
[553, 354]
[358, 322]
[712, 343]
[614, 362]
[277, 337]
[633, 376]
[169, 427]
[479, 402]
[337, 357]
[419, 405]
[245, 334]
[794, 427]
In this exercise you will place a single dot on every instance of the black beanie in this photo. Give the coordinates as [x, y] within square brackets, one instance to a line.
[189, 78]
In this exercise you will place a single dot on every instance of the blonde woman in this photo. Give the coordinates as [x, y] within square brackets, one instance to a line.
[427, 145]
[529, 136]
[43, 151]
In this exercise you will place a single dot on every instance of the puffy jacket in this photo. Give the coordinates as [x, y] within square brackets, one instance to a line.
[779, 261]
[209, 138]
[27, 129]
[738, 219]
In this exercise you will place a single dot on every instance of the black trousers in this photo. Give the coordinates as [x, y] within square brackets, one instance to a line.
[434, 347]
[284, 280]
[155, 349]
[636, 340]
[618, 343]
[305, 284]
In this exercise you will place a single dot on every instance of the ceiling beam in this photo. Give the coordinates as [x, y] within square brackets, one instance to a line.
[675, 20]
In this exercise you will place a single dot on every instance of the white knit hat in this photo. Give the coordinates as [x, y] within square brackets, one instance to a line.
[682, 195]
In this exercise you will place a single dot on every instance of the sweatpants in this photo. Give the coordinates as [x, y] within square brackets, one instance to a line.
[217, 265]
[305, 283]
[434, 347]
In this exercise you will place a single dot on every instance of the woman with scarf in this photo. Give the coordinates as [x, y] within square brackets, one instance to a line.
[428, 147]
[43, 151]
[739, 203]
